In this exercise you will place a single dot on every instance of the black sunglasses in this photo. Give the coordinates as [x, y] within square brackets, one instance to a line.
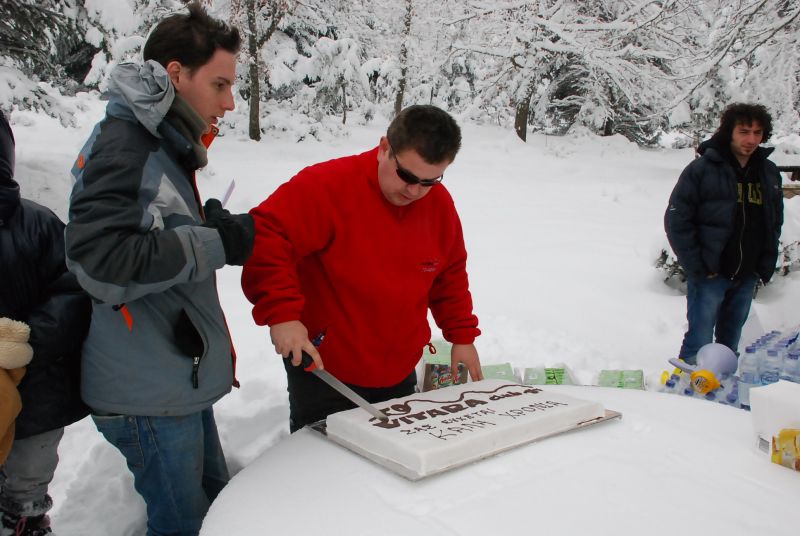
[410, 178]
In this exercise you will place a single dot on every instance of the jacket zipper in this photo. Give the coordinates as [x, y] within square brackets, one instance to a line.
[744, 223]
[196, 360]
[195, 370]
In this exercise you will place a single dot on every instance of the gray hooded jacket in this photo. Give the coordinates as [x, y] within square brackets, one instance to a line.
[158, 343]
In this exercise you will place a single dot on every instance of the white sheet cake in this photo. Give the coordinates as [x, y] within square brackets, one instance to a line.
[430, 432]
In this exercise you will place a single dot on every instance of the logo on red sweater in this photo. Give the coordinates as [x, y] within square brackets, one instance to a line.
[429, 265]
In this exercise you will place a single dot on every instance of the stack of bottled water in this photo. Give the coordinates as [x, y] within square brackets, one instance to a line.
[749, 374]
[727, 393]
[771, 357]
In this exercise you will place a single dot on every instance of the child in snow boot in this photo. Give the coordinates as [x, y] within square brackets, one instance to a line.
[36, 289]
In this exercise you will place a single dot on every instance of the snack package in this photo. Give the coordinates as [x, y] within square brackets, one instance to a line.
[786, 448]
[436, 367]
[548, 376]
[622, 379]
[438, 375]
[775, 410]
[502, 371]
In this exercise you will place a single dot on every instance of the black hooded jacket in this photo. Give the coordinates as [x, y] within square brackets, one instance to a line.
[701, 219]
[36, 288]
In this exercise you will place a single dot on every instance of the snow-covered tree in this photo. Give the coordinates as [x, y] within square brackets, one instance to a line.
[766, 61]
[743, 50]
[41, 45]
[636, 67]
[405, 36]
[119, 30]
[603, 64]
[257, 20]
[42, 38]
[334, 66]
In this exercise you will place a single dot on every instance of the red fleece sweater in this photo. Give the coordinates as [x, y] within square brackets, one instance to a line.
[331, 252]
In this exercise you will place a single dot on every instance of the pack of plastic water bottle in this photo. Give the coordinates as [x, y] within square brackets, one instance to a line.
[773, 356]
[727, 393]
[712, 378]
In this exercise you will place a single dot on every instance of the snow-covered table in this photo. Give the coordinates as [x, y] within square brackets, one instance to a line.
[671, 466]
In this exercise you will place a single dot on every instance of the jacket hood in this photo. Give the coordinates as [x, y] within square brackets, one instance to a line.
[9, 189]
[145, 89]
[9, 199]
[718, 148]
[714, 142]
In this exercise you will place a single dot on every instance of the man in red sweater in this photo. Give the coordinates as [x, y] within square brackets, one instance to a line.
[349, 256]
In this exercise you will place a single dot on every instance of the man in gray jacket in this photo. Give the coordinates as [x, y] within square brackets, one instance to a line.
[159, 354]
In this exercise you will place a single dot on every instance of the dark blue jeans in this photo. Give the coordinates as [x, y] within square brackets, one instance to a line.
[716, 307]
[177, 464]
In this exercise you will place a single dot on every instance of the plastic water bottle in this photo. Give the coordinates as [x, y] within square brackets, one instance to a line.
[724, 389]
[684, 385]
[791, 367]
[795, 333]
[728, 393]
[670, 385]
[733, 397]
[749, 375]
[771, 368]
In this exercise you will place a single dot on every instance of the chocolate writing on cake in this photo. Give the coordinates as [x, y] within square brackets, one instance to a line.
[451, 418]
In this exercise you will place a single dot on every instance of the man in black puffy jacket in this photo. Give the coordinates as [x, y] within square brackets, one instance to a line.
[38, 290]
[723, 222]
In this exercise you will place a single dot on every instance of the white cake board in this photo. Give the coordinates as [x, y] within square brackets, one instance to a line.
[405, 472]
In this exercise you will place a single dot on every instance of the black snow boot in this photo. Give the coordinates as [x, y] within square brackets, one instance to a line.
[14, 525]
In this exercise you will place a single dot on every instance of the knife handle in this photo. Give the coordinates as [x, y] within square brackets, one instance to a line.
[307, 362]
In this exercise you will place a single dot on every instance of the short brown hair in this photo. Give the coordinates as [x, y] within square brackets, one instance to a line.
[190, 38]
[428, 130]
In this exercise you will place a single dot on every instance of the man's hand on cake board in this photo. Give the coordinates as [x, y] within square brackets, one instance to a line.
[290, 339]
[467, 354]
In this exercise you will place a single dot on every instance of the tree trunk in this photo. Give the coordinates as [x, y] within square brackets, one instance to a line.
[401, 87]
[608, 127]
[521, 119]
[522, 113]
[254, 129]
[344, 103]
[252, 73]
[398, 99]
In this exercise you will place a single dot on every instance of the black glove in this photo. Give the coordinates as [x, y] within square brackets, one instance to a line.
[213, 209]
[236, 230]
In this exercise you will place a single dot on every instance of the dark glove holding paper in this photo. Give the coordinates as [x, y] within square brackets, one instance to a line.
[237, 231]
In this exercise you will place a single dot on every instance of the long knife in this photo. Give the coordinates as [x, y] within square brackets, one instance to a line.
[309, 365]
[228, 192]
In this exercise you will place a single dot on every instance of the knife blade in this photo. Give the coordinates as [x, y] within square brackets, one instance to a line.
[228, 192]
[308, 365]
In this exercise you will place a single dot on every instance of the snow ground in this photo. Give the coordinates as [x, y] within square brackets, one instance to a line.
[562, 234]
